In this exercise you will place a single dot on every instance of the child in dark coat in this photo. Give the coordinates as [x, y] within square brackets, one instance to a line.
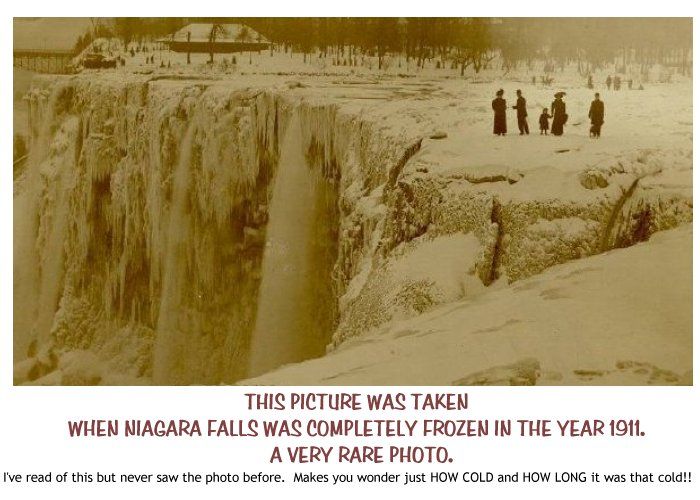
[544, 121]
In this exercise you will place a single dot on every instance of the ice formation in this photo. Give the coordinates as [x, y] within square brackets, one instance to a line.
[296, 311]
[188, 231]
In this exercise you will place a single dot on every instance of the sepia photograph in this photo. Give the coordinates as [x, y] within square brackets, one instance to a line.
[352, 201]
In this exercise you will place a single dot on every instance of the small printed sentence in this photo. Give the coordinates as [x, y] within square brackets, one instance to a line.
[399, 479]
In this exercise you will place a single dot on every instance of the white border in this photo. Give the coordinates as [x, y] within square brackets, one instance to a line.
[32, 433]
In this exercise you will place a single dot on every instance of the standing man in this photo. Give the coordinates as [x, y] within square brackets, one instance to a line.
[499, 114]
[596, 114]
[521, 107]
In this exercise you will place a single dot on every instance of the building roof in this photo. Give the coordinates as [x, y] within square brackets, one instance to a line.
[199, 32]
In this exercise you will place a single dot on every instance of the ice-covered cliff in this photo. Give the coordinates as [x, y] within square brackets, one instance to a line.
[176, 230]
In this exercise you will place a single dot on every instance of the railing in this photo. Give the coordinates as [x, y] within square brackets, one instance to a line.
[43, 52]
[43, 60]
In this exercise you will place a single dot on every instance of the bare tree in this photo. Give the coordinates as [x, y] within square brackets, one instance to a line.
[473, 43]
[127, 28]
[95, 23]
[245, 36]
[217, 30]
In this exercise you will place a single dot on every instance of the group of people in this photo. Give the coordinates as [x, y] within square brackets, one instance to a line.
[615, 83]
[558, 115]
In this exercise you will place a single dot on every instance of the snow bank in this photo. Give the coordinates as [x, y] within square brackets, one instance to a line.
[620, 318]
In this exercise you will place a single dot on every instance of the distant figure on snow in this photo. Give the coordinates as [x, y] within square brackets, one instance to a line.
[521, 107]
[596, 114]
[617, 82]
[608, 81]
[544, 121]
[499, 114]
[558, 114]
[590, 81]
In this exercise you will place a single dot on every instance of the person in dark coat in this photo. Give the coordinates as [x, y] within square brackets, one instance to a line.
[544, 121]
[558, 114]
[499, 114]
[596, 114]
[617, 82]
[521, 107]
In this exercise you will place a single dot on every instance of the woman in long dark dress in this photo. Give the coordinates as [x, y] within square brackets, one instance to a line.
[559, 114]
[499, 114]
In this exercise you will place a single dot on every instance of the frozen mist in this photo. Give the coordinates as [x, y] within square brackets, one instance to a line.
[184, 230]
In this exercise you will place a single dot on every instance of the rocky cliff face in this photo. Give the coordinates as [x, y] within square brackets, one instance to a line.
[143, 219]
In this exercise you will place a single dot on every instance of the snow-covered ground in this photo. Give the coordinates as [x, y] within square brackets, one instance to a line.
[422, 101]
[619, 318]
[460, 257]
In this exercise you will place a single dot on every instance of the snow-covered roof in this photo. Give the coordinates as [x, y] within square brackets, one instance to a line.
[199, 32]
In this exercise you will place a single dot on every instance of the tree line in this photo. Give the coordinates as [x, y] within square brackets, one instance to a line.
[461, 43]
